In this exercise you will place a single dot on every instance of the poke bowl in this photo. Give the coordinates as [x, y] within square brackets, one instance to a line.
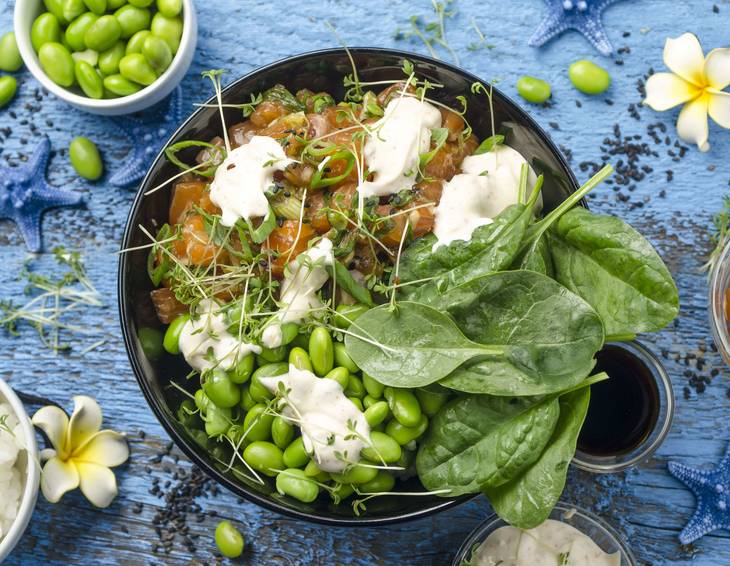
[276, 413]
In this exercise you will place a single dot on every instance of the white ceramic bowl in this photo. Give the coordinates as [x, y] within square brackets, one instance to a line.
[26, 11]
[30, 465]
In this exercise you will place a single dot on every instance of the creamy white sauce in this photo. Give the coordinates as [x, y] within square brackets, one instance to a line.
[303, 278]
[241, 181]
[552, 543]
[319, 407]
[489, 183]
[206, 343]
[393, 151]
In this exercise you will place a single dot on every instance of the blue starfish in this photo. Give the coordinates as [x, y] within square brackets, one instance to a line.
[712, 491]
[147, 134]
[25, 195]
[581, 15]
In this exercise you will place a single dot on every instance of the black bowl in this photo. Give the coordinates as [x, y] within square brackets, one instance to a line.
[320, 70]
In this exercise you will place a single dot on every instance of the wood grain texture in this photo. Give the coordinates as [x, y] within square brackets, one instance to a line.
[646, 504]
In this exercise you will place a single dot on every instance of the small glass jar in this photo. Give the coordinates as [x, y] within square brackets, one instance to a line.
[719, 286]
[586, 522]
[606, 464]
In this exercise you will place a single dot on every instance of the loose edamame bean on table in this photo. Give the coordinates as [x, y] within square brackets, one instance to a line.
[8, 88]
[588, 77]
[84, 155]
[228, 540]
[533, 89]
[10, 59]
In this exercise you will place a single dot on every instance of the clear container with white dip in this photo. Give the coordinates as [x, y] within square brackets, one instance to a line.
[590, 525]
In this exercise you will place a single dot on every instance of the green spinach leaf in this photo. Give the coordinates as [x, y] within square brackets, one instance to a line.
[527, 500]
[612, 266]
[478, 440]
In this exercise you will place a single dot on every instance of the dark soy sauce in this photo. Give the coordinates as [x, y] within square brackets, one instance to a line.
[624, 409]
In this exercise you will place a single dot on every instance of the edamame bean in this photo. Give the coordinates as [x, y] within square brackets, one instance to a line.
[289, 330]
[296, 484]
[186, 413]
[72, 9]
[221, 390]
[355, 401]
[431, 401]
[282, 432]
[383, 482]
[342, 358]
[98, 7]
[202, 402]
[88, 55]
[82, 152]
[228, 540]
[45, 29]
[377, 413]
[55, 7]
[295, 456]
[243, 369]
[115, 4]
[404, 405]
[321, 351]
[57, 63]
[301, 340]
[140, 3]
[120, 85]
[217, 420]
[257, 424]
[151, 341]
[103, 33]
[132, 19]
[246, 400]
[382, 448]
[340, 375]
[367, 401]
[109, 59]
[342, 491]
[258, 391]
[136, 43]
[10, 59]
[169, 29]
[357, 474]
[88, 163]
[313, 471]
[158, 53]
[136, 68]
[372, 386]
[299, 358]
[533, 90]
[8, 88]
[172, 334]
[404, 434]
[588, 77]
[355, 387]
[347, 314]
[76, 30]
[270, 355]
[169, 8]
[264, 457]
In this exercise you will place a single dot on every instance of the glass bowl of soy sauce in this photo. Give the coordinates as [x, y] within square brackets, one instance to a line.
[634, 414]
[720, 303]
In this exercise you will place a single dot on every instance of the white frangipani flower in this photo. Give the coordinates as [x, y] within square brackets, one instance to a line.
[82, 453]
[695, 81]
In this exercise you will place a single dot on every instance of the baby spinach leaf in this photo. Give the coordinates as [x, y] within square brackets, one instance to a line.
[536, 258]
[527, 500]
[478, 440]
[549, 334]
[410, 346]
[612, 266]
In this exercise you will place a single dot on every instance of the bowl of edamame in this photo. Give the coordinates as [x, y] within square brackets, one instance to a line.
[108, 57]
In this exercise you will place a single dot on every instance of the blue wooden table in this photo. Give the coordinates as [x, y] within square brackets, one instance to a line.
[646, 504]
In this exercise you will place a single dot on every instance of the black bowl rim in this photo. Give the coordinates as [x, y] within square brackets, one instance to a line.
[183, 443]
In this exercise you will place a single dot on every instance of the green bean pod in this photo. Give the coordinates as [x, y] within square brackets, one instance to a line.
[8, 88]
[10, 59]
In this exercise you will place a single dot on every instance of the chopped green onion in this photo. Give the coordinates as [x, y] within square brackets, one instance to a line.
[171, 152]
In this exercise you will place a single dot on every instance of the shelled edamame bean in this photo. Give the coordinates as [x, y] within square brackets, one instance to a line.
[124, 46]
[228, 540]
[533, 89]
[83, 153]
[588, 77]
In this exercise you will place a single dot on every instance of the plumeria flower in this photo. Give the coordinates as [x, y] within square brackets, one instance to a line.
[695, 81]
[82, 454]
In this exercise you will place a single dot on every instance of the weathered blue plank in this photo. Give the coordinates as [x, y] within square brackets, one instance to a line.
[646, 504]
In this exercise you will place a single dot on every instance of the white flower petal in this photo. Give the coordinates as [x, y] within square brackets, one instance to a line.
[54, 423]
[58, 477]
[665, 91]
[47, 454]
[692, 122]
[106, 448]
[719, 107]
[684, 57]
[97, 483]
[717, 68]
[85, 421]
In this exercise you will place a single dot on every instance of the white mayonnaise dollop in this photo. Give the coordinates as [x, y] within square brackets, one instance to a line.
[206, 343]
[488, 184]
[327, 418]
[302, 279]
[393, 150]
[551, 543]
[241, 181]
